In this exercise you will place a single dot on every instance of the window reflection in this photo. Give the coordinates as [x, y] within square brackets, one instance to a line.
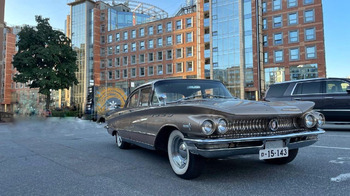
[303, 71]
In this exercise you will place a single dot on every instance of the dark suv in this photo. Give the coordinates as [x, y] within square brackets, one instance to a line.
[331, 95]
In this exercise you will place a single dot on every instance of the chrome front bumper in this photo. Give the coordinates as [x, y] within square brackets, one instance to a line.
[216, 148]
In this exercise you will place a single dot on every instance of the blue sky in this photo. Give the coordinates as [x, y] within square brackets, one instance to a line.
[336, 17]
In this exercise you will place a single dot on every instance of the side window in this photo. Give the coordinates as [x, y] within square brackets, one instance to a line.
[134, 100]
[336, 86]
[307, 88]
[277, 90]
[145, 96]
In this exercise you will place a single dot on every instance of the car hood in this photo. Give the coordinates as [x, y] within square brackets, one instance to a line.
[245, 107]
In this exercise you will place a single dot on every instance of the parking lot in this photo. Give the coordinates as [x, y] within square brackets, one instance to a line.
[70, 156]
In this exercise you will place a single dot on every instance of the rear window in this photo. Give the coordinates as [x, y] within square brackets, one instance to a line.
[307, 88]
[277, 90]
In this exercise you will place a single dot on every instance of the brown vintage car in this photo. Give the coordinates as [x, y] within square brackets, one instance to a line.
[192, 119]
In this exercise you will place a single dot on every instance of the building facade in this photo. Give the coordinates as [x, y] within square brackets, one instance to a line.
[246, 44]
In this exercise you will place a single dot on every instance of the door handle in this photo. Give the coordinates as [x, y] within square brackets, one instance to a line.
[297, 99]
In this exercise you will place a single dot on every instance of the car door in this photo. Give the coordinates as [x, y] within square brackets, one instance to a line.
[336, 105]
[309, 91]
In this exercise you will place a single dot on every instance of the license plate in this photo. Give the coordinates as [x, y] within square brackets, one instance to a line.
[272, 153]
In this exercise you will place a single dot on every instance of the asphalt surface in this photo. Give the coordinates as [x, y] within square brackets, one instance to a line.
[75, 157]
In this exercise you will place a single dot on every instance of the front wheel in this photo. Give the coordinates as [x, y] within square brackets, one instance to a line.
[120, 142]
[184, 164]
[284, 160]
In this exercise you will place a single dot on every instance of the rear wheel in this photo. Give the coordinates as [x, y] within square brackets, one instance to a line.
[120, 142]
[284, 160]
[184, 164]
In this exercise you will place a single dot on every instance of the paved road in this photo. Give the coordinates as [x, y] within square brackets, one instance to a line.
[76, 157]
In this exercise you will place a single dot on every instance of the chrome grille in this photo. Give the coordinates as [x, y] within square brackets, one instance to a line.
[258, 127]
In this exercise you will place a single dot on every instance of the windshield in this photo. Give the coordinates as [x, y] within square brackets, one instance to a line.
[178, 90]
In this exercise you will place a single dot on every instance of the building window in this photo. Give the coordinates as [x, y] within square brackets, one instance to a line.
[160, 55]
[179, 67]
[179, 53]
[303, 72]
[125, 73]
[133, 59]
[278, 39]
[110, 75]
[117, 49]
[133, 72]
[103, 51]
[309, 16]
[310, 34]
[142, 71]
[133, 33]
[142, 32]
[292, 3]
[110, 63]
[125, 48]
[169, 40]
[150, 30]
[306, 2]
[278, 56]
[266, 57]
[150, 57]
[159, 28]
[265, 40]
[117, 37]
[125, 60]
[277, 21]
[294, 54]
[264, 7]
[178, 25]
[117, 74]
[160, 42]
[189, 37]
[169, 26]
[189, 66]
[150, 71]
[265, 23]
[102, 39]
[110, 38]
[102, 16]
[179, 38]
[160, 70]
[102, 76]
[110, 50]
[142, 58]
[293, 18]
[189, 51]
[102, 63]
[188, 22]
[117, 61]
[169, 54]
[310, 52]
[125, 35]
[133, 46]
[276, 5]
[169, 68]
[103, 29]
[293, 36]
[142, 45]
[150, 43]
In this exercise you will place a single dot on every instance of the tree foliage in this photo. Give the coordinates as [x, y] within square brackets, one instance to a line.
[45, 59]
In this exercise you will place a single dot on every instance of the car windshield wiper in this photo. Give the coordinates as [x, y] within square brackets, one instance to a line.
[216, 96]
[203, 96]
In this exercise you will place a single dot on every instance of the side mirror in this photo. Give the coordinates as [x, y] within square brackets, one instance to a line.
[162, 99]
[348, 89]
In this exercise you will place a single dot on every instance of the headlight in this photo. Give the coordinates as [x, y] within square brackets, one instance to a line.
[321, 120]
[310, 120]
[222, 126]
[207, 127]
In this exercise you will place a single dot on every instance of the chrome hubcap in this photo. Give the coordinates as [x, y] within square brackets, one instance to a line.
[179, 152]
[119, 140]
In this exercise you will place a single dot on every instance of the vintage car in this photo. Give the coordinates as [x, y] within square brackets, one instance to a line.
[192, 119]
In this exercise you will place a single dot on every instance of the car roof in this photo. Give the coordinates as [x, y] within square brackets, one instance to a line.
[310, 79]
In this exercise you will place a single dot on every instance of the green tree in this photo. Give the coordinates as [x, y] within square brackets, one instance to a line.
[45, 59]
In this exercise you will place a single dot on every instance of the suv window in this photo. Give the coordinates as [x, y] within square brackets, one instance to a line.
[336, 86]
[307, 88]
[134, 100]
[277, 90]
